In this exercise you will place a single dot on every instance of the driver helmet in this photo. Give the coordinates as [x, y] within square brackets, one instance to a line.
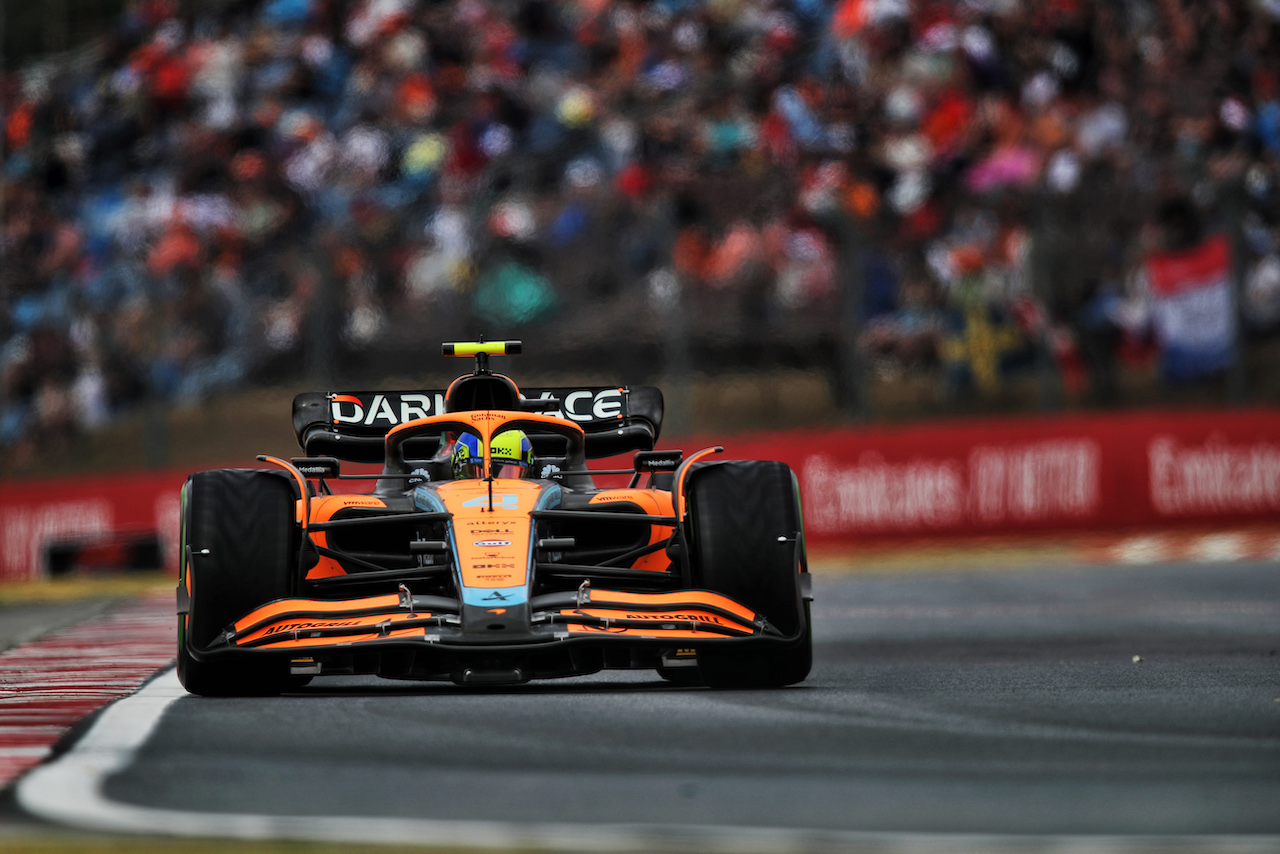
[467, 457]
[510, 455]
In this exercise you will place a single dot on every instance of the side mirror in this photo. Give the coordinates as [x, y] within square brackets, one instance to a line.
[652, 461]
[316, 466]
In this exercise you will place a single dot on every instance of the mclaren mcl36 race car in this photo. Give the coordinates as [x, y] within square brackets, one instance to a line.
[484, 552]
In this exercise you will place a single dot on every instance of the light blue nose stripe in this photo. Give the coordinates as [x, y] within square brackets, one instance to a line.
[426, 499]
[494, 597]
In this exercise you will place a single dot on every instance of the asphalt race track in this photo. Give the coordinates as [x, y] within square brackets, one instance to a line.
[1097, 702]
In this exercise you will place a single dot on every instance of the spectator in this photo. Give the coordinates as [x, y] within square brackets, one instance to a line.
[178, 197]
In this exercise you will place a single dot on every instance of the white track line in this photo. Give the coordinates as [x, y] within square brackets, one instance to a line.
[48, 684]
[69, 791]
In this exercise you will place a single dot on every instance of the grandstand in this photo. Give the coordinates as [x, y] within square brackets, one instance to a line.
[906, 209]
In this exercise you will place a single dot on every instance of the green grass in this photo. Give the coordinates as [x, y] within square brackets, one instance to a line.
[76, 588]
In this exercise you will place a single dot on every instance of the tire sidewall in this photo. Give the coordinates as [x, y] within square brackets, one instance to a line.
[239, 545]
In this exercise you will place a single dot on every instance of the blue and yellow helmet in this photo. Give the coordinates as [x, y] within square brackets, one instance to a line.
[510, 455]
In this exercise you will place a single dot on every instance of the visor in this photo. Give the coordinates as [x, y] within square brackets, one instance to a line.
[469, 470]
[506, 468]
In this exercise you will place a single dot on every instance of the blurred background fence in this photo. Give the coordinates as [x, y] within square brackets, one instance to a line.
[784, 212]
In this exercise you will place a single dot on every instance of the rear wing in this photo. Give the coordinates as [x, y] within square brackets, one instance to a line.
[351, 425]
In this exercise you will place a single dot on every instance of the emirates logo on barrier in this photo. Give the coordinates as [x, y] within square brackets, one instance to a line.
[1213, 476]
[1029, 482]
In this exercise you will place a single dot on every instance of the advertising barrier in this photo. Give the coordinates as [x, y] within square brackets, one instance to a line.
[1122, 471]
[959, 478]
[48, 518]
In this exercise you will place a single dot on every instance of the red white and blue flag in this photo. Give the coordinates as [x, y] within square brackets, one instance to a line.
[1194, 310]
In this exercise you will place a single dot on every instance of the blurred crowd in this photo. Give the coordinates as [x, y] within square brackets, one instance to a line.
[968, 187]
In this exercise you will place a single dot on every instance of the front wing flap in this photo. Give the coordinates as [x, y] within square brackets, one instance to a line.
[377, 621]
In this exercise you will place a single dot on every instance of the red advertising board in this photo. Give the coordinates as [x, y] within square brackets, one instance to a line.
[1133, 470]
[37, 514]
[958, 478]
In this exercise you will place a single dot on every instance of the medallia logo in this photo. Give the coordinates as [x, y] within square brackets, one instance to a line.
[491, 543]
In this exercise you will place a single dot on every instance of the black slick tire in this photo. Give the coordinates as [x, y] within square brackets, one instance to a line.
[244, 520]
[747, 542]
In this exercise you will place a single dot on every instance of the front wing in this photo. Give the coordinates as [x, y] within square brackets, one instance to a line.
[689, 617]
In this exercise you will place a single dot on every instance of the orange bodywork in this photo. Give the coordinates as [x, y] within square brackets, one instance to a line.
[654, 503]
[682, 599]
[492, 534]
[301, 629]
[286, 606]
[657, 618]
[486, 422]
[646, 632]
[313, 623]
[323, 509]
[290, 642]
[492, 541]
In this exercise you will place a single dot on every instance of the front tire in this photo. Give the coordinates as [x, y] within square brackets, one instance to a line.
[244, 519]
[747, 542]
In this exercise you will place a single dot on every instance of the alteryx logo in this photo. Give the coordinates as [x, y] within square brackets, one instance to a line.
[491, 543]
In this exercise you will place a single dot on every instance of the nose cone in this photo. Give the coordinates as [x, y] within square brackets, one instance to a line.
[491, 535]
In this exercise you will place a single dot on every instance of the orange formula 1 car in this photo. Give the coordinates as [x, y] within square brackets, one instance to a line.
[485, 553]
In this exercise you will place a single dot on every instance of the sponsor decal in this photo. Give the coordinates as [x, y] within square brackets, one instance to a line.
[491, 597]
[475, 530]
[700, 618]
[306, 627]
[586, 405]
[876, 493]
[1031, 482]
[492, 544]
[388, 410]
[500, 565]
[1213, 477]
[351, 501]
